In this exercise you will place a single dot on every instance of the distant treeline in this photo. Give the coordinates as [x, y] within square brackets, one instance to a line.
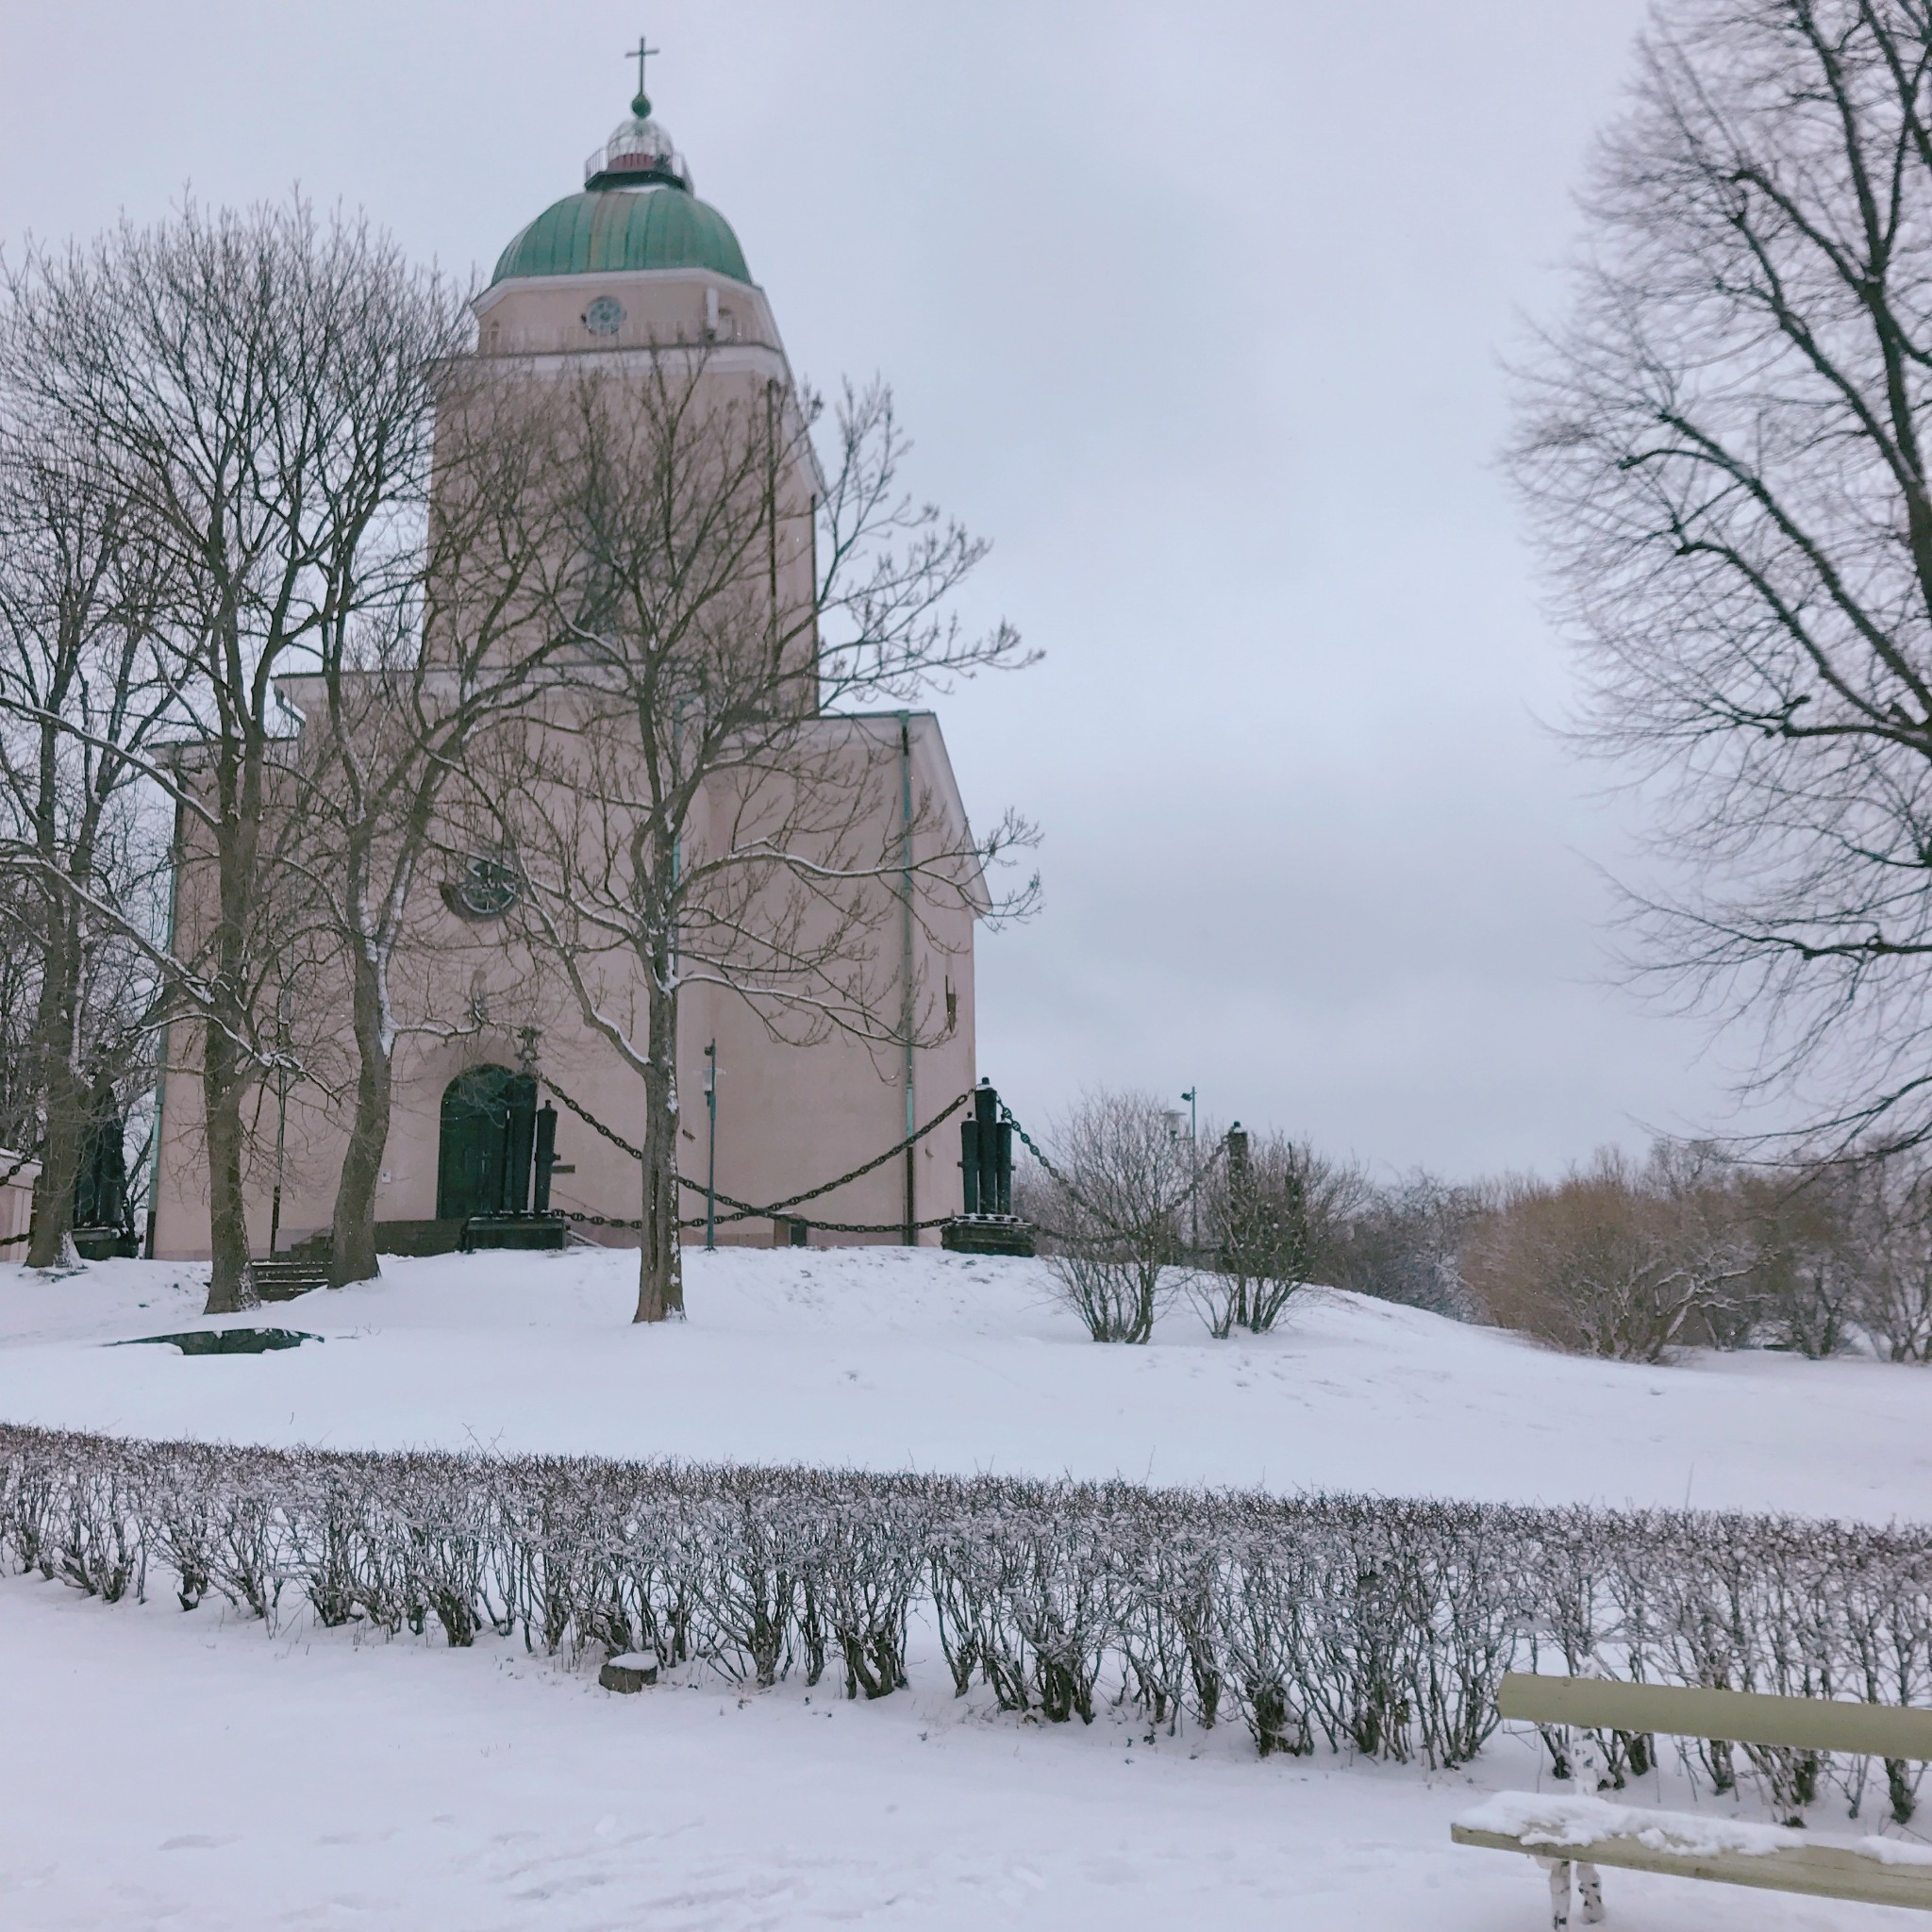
[1624, 1258]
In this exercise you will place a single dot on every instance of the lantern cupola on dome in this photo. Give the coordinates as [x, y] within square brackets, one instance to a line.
[638, 152]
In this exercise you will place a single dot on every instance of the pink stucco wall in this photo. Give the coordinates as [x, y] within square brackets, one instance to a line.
[789, 1116]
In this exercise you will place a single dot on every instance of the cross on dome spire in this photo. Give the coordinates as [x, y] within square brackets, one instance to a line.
[641, 107]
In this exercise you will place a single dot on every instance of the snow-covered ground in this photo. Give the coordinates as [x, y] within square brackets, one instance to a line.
[194, 1772]
[888, 1359]
[181, 1772]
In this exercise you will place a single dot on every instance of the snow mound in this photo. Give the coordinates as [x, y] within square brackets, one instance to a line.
[898, 1359]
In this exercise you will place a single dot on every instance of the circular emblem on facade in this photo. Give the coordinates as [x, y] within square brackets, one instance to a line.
[604, 316]
[486, 888]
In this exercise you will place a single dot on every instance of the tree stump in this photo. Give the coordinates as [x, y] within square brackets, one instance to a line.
[630, 1671]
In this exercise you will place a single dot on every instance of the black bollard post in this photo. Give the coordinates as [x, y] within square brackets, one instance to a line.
[546, 1154]
[520, 1121]
[969, 1165]
[985, 1115]
[986, 1173]
[1241, 1173]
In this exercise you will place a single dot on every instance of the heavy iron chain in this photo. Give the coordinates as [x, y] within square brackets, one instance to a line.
[742, 1210]
[700, 1221]
[1106, 1221]
[745, 1211]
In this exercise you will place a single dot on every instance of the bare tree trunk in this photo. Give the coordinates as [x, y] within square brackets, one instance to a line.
[225, 1075]
[231, 1279]
[63, 1094]
[352, 1254]
[660, 1264]
[352, 1241]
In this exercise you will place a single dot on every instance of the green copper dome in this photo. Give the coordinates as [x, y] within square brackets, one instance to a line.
[604, 230]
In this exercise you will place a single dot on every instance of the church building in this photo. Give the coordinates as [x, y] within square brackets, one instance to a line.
[632, 268]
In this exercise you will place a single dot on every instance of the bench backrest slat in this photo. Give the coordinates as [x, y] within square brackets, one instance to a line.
[1677, 1711]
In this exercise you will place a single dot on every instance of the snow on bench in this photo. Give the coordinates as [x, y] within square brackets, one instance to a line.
[1588, 1831]
[1583, 1832]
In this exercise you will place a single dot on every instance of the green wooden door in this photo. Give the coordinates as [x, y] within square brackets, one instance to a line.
[483, 1165]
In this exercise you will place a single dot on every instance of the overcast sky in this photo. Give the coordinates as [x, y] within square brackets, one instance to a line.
[1198, 314]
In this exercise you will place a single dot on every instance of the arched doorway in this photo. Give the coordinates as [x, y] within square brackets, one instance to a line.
[483, 1161]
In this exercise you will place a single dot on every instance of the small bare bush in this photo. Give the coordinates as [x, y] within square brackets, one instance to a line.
[1114, 1208]
[1273, 1210]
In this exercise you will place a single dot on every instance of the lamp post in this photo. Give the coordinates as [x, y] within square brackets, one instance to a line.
[711, 1160]
[275, 1212]
[1193, 1171]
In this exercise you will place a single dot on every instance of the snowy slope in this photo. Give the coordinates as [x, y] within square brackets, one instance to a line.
[891, 1358]
[195, 1771]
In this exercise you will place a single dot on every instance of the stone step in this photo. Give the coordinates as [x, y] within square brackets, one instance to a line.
[989, 1234]
[281, 1279]
[524, 1231]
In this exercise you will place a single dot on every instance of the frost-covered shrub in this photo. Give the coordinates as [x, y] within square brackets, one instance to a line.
[1363, 1625]
[1403, 1241]
[1271, 1213]
[1112, 1212]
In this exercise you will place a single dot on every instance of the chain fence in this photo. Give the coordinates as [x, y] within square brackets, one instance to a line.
[776, 1210]
[1111, 1229]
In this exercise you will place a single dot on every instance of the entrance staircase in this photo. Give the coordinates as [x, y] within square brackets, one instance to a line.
[282, 1277]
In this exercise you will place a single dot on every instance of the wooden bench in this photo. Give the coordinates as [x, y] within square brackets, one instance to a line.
[1580, 1833]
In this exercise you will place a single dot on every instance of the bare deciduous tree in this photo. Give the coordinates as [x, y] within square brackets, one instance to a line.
[259, 386]
[1401, 1242]
[403, 684]
[83, 694]
[1894, 1225]
[1273, 1209]
[1843, 1259]
[1809, 1234]
[697, 800]
[1617, 1260]
[1724, 452]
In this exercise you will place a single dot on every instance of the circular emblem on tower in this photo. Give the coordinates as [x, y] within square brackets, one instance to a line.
[604, 316]
[486, 888]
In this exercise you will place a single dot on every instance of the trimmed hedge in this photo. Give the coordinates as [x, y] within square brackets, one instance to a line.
[1358, 1624]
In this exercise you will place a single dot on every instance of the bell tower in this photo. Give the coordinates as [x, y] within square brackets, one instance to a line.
[632, 261]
